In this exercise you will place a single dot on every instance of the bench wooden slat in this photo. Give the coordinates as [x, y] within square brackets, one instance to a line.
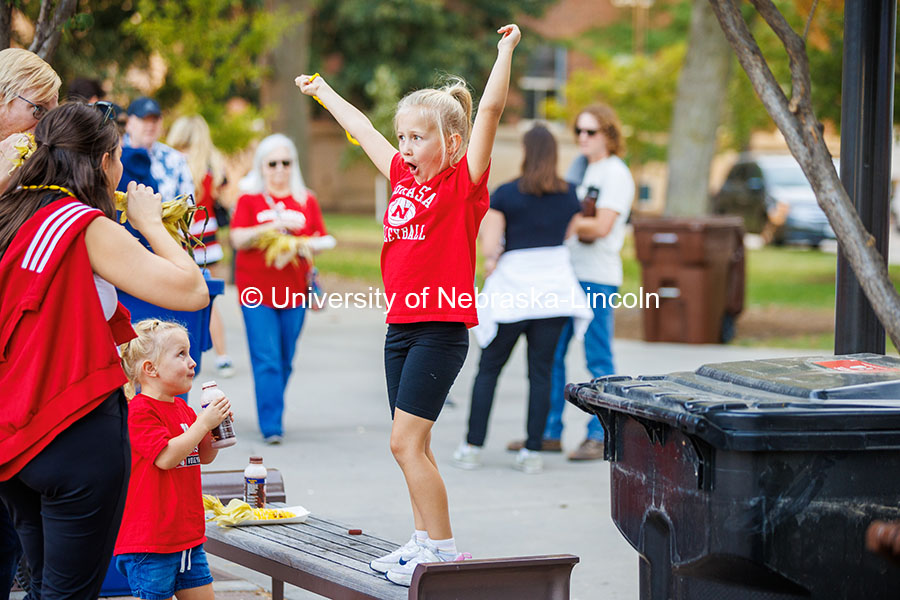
[323, 573]
[364, 542]
[307, 542]
[317, 531]
[381, 544]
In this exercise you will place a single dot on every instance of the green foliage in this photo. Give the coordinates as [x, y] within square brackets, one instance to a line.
[384, 91]
[213, 49]
[414, 40]
[642, 88]
[358, 253]
[92, 43]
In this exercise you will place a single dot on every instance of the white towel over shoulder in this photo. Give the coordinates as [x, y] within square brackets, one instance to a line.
[533, 283]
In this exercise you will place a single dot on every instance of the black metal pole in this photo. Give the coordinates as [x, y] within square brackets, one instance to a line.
[867, 95]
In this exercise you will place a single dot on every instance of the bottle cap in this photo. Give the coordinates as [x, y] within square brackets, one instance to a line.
[256, 460]
[209, 384]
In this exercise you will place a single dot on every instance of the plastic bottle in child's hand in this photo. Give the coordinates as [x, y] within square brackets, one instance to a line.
[223, 433]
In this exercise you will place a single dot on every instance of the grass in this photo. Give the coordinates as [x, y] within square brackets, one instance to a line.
[358, 253]
[794, 279]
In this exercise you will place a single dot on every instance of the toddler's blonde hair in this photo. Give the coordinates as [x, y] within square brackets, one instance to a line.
[451, 108]
[146, 346]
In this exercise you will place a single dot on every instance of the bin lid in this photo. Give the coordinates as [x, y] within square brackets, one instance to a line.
[821, 402]
[686, 224]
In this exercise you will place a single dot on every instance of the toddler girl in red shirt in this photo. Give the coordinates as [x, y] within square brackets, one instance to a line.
[160, 543]
[438, 199]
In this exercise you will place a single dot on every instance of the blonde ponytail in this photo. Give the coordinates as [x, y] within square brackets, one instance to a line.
[451, 108]
[147, 346]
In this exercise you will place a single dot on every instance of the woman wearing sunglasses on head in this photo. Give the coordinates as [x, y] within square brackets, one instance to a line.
[64, 453]
[276, 227]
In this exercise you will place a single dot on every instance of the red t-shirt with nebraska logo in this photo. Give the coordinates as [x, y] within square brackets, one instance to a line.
[164, 507]
[250, 268]
[428, 257]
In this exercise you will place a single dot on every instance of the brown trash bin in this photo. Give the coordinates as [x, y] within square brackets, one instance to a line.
[696, 266]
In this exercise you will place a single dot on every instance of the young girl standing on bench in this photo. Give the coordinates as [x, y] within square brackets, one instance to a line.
[160, 544]
[439, 183]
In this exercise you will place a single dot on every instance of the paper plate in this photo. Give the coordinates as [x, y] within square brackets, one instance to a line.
[300, 515]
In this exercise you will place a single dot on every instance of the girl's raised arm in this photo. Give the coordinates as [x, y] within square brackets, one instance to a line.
[380, 151]
[491, 105]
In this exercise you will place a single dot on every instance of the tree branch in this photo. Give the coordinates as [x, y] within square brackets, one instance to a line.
[803, 134]
[48, 30]
[809, 19]
[754, 64]
[795, 47]
[40, 27]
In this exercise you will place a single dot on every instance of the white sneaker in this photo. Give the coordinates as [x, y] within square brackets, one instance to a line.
[467, 456]
[529, 461]
[403, 572]
[403, 553]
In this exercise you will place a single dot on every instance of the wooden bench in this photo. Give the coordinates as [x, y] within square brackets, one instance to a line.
[321, 556]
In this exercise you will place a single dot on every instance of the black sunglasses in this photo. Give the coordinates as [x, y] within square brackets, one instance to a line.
[274, 163]
[589, 132]
[107, 108]
[38, 111]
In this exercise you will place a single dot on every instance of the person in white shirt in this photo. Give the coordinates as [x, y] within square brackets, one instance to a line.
[596, 244]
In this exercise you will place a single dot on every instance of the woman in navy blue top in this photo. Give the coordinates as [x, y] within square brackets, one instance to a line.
[522, 239]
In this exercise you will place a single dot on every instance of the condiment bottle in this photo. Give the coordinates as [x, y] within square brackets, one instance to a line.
[255, 483]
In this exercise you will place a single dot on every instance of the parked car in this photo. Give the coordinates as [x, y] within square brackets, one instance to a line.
[764, 186]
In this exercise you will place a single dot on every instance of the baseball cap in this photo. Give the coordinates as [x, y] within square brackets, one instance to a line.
[144, 107]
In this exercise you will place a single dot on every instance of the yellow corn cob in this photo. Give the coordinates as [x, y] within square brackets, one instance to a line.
[282, 249]
[350, 138]
[236, 511]
[177, 215]
[24, 148]
[121, 205]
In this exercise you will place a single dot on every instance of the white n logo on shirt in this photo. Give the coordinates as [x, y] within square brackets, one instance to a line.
[400, 211]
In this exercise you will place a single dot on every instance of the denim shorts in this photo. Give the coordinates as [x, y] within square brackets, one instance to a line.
[153, 576]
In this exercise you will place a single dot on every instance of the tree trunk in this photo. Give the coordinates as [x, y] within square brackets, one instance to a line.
[702, 85]
[5, 25]
[290, 110]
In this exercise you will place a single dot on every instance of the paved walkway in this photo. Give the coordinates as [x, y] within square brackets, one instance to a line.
[336, 461]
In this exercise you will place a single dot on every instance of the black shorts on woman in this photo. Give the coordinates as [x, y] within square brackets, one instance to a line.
[421, 362]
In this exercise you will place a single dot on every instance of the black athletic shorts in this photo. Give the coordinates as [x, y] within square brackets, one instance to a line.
[421, 362]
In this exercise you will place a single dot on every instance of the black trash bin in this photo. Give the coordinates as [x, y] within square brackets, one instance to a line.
[755, 479]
